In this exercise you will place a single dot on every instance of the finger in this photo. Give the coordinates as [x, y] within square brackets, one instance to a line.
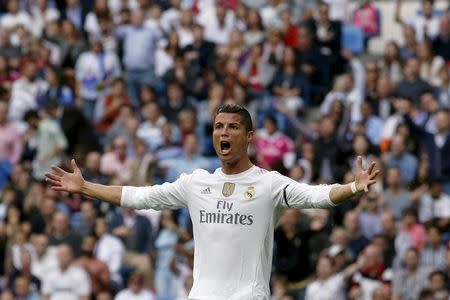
[54, 183]
[359, 164]
[371, 182]
[370, 169]
[58, 170]
[59, 188]
[366, 188]
[74, 165]
[52, 177]
[374, 174]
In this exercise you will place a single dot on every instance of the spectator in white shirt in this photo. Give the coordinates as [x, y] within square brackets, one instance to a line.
[170, 18]
[218, 24]
[110, 249]
[44, 258]
[42, 15]
[435, 206]
[329, 284]
[24, 93]
[66, 282]
[16, 17]
[94, 71]
[426, 24]
[151, 129]
[135, 289]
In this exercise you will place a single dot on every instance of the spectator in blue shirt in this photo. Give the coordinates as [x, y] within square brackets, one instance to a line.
[404, 161]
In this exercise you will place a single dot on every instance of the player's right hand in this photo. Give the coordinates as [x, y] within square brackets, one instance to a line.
[65, 181]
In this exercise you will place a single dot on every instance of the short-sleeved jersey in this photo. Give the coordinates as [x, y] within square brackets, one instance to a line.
[233, 219]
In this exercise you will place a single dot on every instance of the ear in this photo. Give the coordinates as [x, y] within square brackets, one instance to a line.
[250, 136]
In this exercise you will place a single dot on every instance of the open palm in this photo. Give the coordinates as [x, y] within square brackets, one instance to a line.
[365, 178]
[66, 181]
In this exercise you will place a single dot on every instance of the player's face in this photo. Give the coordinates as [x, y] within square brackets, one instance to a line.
[230, 137]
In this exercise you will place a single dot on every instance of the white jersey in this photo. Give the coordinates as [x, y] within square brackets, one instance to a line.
[233, 219]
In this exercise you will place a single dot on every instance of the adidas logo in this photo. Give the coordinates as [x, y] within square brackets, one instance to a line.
[206, 191]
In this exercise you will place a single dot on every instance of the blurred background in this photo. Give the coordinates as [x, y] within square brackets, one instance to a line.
[129, 88]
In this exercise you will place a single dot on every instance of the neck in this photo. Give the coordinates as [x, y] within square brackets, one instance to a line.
[236, 167]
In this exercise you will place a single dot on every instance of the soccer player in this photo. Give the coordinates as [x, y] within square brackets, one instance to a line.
[233, 210]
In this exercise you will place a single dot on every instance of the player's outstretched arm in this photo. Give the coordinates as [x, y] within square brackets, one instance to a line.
[363, 180]
[73, 182]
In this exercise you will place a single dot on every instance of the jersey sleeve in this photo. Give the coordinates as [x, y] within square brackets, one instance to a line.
[158, 197]
[289, 193]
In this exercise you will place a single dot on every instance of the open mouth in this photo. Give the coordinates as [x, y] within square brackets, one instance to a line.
[225, 147]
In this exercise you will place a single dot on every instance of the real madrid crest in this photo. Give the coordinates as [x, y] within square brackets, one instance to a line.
[228, 189]
[250, 192]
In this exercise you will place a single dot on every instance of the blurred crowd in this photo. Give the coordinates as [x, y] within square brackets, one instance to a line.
[129, 88]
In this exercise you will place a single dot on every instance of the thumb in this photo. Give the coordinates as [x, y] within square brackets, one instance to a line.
[74, 166]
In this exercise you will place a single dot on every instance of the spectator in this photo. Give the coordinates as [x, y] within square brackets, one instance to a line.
[291, 242]
[435, 206]
[94, 71]
[437, 284]
[41, 15]
[273, 147]
[175, 102]
[190, 161]
[396, 197]
[411, 87]
[25, 92]
[116, 162]
[24, 271]
[97, 270]
[57, 92]
[15, 17]
[327, 35]
[430, 64]
[139, 46]
[433, 255]
[135, 289]
[370, 216]
[441, 42]
[44, 258]
[330, 284]
[23, 290]
[83, 222]
[109, 249]
[402, 160]
[150, 130]
[392, 62]
[67, 281]
[413, 232]
[135, 231]
[75, 12]
[51, 142]
[436, 145]
[112, 104]
[289, 84]
[165, 281]
[426, 23]
[409, 281]
[10, 143]
[357, 242]
[61, 233]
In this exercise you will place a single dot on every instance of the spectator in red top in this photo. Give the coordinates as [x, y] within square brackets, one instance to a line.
[113, 102]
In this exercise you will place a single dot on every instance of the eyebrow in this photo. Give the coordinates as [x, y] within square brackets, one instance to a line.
[230, 123]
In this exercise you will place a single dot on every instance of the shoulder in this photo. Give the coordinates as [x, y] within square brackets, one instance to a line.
[197, 174]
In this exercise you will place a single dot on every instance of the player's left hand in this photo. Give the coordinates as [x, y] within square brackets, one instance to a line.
[365, 178]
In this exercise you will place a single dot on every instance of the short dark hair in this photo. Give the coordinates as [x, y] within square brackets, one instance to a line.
[246, 119]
